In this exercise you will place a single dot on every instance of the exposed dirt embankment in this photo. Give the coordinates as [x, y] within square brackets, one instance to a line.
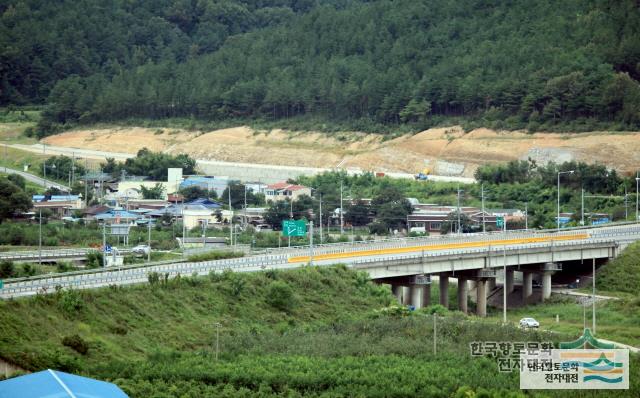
[443, 150]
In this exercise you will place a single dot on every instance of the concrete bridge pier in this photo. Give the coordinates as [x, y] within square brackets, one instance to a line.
[396, 290]
[443, 280]
[546, 285]
[508, 280]
[415, 293]
[426, 295]
[490, 285]
[462, 294]
[548, 269]
[527, 286]
[406, 295]
[481, 297]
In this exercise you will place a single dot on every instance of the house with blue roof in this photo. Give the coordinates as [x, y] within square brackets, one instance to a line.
[209, 183]
[59, 205]
[53, 383]
[113, 216]
[206, 202]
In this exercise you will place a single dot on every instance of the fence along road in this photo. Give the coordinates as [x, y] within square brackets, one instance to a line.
[388, 250]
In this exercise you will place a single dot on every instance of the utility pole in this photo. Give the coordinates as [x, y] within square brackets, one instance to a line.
[149, 240]
[44, 171]
[459, 229]
[205, 225]
[504, 285]
[311, 242]
[484, 224]
[435, 316]
[230, 218]
[321, 237]
[184, 228]
[104, 243]
[526, 216]
[593, 294]
[341, 212]
[637, 179]
[73, 169]
[40, 237]
[245, 205]
[217, 325]
[582, 207]
[290, 218]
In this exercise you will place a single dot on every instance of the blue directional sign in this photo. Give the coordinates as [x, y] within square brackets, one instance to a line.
[107, 248]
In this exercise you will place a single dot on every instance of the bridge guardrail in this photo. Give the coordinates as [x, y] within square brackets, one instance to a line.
[134, 275]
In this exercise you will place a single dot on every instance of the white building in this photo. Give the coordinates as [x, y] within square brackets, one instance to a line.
[284, 190]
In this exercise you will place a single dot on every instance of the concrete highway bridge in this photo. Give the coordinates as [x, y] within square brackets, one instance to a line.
[474, 261]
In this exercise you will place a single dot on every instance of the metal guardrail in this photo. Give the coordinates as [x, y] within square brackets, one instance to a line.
[59, 253]
[139, 275]
[104, 277]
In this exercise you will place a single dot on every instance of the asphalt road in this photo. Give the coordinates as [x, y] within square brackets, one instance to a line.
[35, 179]
[101, 155]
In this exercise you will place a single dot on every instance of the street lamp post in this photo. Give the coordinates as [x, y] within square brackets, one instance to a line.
[459, 229]
[484, 224]
[637, 179]
[40, 236]
[582, 207]
[341, 218]
[217, 325]
[558, 215]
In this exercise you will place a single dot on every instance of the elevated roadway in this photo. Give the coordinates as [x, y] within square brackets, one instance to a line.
[403, 263]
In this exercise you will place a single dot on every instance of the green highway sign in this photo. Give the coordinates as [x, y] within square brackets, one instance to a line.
[294, 228]
[500, 222]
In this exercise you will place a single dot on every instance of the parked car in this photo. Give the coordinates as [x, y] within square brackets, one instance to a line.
[141, 250]
[263, 228]
[527, 323]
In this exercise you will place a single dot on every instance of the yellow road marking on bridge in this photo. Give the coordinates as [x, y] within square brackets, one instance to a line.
[462, 245]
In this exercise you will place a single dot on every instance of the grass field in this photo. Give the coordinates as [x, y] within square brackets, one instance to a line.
[309, 332]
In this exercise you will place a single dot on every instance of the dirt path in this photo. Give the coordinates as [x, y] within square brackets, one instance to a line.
[445, 151]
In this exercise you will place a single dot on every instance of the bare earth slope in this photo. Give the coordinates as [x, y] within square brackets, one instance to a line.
[447, 151]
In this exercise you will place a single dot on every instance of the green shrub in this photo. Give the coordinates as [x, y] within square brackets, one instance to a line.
[280, 295]
[28, 269]
[435, 309]
[154, 278]
[7, 269]
[63, 266]
[76, 343]
[214, 255]
[94, 259]
[70, 301]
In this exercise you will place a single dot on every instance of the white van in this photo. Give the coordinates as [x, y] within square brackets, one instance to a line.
[418, 230]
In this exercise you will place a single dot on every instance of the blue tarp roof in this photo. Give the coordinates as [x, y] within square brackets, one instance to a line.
[54, 198]
[54, 384]
[208, 203]
[115, 214]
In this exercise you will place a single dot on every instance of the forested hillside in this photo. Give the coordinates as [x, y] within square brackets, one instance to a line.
[524, 63]
[44, 41]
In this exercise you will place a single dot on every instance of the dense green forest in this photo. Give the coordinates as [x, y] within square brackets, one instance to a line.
[516, 64]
